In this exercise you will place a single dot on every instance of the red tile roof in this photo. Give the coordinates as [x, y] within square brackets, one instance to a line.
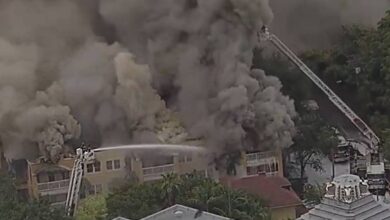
[273, 189]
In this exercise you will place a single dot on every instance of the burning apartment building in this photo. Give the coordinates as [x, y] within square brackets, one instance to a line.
[106, 72]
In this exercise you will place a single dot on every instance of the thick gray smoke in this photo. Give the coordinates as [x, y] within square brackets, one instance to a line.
[203, 50]
[56, 74]
[62, 79]
[308, 24]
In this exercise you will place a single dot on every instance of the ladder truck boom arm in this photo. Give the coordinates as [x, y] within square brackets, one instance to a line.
[77, 174]
[336, 100]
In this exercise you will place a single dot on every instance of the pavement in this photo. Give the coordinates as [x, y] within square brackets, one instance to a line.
[321, 177]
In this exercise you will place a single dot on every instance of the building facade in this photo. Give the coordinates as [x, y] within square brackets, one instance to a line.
[49, 181]
[269, 163]
[114, 167]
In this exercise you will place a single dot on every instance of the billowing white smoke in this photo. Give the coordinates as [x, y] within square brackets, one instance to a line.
[61, 81]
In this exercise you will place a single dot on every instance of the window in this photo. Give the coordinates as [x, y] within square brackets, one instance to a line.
[185, 158]
[58, 176]
[117, 164]
[65, 175]
[95, 189]
[97, 166]
[251, 171]
[51, 177]
[91, 190]
[109, 165]
[263, 168]
[113, 164]
[93, 167]
[89, 168]
[42, 177]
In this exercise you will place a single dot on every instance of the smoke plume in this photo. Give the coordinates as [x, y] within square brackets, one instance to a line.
[203, 50]
[101, 72]
[305, 24]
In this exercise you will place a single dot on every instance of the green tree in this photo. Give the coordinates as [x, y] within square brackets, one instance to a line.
[92, 208]
[41, 210]
[135, 201]
[358, 69]
[12, 207]
[170, 187]
[314, 138]
[138, 201]
[313, 194]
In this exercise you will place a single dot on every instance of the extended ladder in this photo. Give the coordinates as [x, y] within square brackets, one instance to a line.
[75, 180]
[344, 108]
[74, 184]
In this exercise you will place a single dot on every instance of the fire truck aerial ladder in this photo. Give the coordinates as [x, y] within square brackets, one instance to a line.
[82, 157]
[375, 168]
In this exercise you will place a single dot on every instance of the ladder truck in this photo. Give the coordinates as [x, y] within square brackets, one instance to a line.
[374, 164]
[83, 156]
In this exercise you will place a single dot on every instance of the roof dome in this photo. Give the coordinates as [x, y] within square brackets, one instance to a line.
[346, 188]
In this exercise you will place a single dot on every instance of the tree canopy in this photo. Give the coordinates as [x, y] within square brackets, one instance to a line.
[92, 208]
[136, 201]
[359, 69]
[313, 139]
[13, 207]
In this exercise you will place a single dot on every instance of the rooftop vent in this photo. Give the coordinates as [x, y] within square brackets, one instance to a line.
[178, 214]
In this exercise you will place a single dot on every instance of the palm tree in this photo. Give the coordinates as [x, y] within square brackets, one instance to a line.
[238, 205]
[170, 187]
[203, 195]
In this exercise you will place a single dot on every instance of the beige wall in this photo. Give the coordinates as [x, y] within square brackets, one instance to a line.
[106, 178]
[286, 213]
[131, 163]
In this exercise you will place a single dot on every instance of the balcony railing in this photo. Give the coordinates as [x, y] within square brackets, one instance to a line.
[62, 184]
[254, 159]
[271, 173]
[151, 173]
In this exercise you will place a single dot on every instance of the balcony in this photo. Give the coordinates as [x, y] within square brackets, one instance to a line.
[259, 158]
[53, 186]
[154, 173]
[271, 173]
